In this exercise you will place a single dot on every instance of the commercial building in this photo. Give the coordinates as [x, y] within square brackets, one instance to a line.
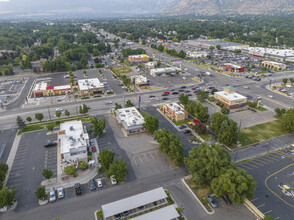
[73, 139]
[138, 58]
[270, 53]
[174, 111]
[150, 65]
[90, 86]
[230, 98]
[146, 206]
[43, 90]
[272, 64]
[164, 71]
[233, 68]
[196, 54]
[140, 81]
[130, 120]
[207, 43]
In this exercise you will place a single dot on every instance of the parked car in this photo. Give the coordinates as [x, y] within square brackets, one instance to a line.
[165, 98]
[50, 144]
[189, 94]
[270, 96]
[99, 183]
[182, 126]
[245, 87]
[212, 201]
[52, 195]
[164, 94]
[92, 142]
[183, 87]
[92, 185]
[181, 90]
[93, 149]
[113, 180]
[187, 131]
[152, 97]
[108, 102]
[60, 193]
[175, 93]
[78, 189]
[59, 109]
[187, 91]
[226, 199]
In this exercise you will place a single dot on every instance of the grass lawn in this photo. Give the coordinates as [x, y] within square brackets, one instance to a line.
[42, 125]
[200, 191]
[118, 70]
[260, 132]
[181, 122]
[144, 114]
[205, 136]
[260, 108]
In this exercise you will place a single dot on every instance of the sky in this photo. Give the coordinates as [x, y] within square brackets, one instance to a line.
[24, 8]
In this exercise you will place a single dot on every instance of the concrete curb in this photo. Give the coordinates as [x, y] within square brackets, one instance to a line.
[210, 213]
[11, 156]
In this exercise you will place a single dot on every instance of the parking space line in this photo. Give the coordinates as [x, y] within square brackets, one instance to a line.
[277, 218]
[140, 159]
[267, 212]
[245, 166]
[264, 162]
[151, 156]
[259, 164]
[251, 165]
[284, 154]
[270, 159]
[146, 158]
[157, 154]
[275, 155]
[254, 199]
[260, 206]
[135, 161]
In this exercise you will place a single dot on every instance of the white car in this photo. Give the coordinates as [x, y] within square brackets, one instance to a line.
[52, 196]
[60, 193]
[123, 87]
[59, 110]
[108, 102]
[99, 183]
[270, 96]
[113, 180]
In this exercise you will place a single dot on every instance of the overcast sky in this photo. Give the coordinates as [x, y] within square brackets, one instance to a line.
[71, 7]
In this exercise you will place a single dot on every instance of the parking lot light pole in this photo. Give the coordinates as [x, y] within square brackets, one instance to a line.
[49, 113]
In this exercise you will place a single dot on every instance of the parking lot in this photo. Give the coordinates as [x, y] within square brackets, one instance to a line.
[6, 141]
[270, 171]
[9, 89]
[26, 171]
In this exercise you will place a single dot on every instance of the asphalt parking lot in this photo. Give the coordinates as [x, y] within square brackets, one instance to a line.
[269, 171]
[26, 172]
[6, 141]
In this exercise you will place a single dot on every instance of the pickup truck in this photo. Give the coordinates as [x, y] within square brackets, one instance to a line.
[78, 189]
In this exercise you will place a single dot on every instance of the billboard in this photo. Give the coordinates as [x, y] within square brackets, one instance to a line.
[176, 61]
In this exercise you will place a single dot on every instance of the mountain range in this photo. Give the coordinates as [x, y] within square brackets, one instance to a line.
[230, 7]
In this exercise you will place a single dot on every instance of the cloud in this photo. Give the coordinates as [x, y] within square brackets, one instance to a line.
[4, 0]
[5, 12]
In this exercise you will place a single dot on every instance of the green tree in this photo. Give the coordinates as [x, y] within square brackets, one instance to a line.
[67, 113]
[3, 167]
[105, 158]
[20, 123]
[280, 112]
[182, 54]
[211, 48]
[291, 80]
[85, 72]
[287, 120]
[202, 96]
[117, 106]
[184, 99]
[83, 165]
[39, 116]
[263, 69]
[99, 214]
[175, 39]
[268, 217]
[218, 46]
[47, 173]
[96, 126]
[129, 104]
[69, 170]
[285, 80]
[151, 123]
[225, 110]
[58, 114]
[84, 109]
[7, 196]
[41, 193]
[160, 48]
[29, 119]
[118, 170]
[207, 162]
[237, 184]
[50, 127]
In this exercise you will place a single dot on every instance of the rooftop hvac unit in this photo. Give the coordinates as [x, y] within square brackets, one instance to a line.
[71, 128]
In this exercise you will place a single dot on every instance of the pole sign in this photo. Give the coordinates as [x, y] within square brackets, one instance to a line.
[176, 61]
[139, 99]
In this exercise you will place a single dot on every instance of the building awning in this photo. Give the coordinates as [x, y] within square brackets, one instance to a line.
[38, 93]
[50, 87]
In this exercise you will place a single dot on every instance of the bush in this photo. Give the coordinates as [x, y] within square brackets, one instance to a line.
[83, 165]
[97, 96]
[89, 158]
[211, 99]
[69, 170]
[75, 175]
[85, 97]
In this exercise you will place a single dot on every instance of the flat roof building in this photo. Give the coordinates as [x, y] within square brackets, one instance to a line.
[272, 65]
[138, 58]
[130, 120]
[90, 86]
[131, 206]
[140, 81]
[230, 98]
[73, 140]
[164, 71]
[174, 111]
[43, 90]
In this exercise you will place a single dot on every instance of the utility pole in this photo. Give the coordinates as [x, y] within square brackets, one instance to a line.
[239, 127]
[49, 112]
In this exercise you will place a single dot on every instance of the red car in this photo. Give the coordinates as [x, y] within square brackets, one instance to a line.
[93, 149]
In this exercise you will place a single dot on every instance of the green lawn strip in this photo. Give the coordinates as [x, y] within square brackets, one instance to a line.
[144, 114]
[181, 122]
[260, 132]
[42, 125]
[201, 192]
[205, 136]
[260, 108]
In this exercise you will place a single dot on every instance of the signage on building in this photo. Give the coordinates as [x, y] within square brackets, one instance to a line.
[176, 61]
